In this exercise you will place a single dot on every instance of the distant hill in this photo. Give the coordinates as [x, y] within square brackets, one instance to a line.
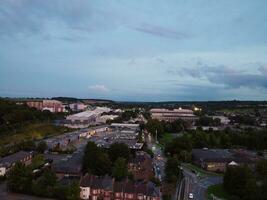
[86, 101]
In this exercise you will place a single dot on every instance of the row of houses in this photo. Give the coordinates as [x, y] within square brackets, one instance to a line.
[6, 163]
[93, 187]
[141, 166]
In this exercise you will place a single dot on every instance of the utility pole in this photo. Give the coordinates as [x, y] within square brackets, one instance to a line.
[157, 136]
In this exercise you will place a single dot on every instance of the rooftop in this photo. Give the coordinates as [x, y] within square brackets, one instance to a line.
[14, 157]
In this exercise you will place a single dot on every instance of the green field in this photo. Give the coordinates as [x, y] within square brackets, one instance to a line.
[238, 110]
[31, 132]
[219, 192]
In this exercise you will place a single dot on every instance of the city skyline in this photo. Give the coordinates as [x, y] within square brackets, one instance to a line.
[134, 51]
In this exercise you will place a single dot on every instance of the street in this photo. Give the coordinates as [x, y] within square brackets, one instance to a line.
[159, 159]
[198, 186]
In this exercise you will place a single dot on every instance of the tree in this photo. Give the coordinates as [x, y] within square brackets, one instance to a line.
[19, 178]
[155, 126]
[95, 160]
[71, 192]
[45, 185]
[117, 150]
[120, 169]
[239, 181]
[185, 156]
[261, 169]
[41, 147]
[37, 161]
[103, 164]
[177, 145]
[172, 169]
[90, 155]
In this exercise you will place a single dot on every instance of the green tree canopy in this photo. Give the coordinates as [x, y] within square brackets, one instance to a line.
[45, 184]
[19, 178]
[261, 169]
[172, 170]
[117, 150]
[120, 170]
[41, 147]
[239, 181]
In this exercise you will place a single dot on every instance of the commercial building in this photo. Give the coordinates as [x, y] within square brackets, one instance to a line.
[224, 120]
[104, 118]
[217, 159]
[6, 163]
[93, 187]
[172, 115]
[35, 104]
[86, 118]
[51, 105]
[77, 106]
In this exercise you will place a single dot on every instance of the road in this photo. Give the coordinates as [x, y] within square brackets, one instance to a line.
[159, 159]
[198, 186]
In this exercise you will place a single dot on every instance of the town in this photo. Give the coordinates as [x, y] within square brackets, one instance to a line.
[133, 100]
[116, 151]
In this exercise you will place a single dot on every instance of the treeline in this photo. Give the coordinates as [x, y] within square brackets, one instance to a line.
[208, 121]
[160, 127]
[254, 140]
[243, 184]
[99, 161]
[13, 116]
[22, 180]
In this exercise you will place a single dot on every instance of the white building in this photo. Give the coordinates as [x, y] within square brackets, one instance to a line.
[87, 117]
[224, 120]
[172, 115]
[103, 119]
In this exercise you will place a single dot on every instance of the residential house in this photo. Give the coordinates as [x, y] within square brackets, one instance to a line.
[95, 188]
[6, 163]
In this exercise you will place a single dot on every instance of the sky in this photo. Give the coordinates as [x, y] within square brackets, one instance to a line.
[142, 50]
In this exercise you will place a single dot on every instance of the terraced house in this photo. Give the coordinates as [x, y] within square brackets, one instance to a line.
[95, 188]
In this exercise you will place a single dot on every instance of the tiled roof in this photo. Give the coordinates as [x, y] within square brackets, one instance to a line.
[8, 160]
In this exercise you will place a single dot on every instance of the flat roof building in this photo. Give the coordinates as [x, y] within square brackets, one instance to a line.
[172, 115]
[218, 159]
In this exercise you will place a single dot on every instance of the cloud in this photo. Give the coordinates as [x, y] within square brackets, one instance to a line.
[99, 88]
[227, 76]
[160, 31]
[263, 70]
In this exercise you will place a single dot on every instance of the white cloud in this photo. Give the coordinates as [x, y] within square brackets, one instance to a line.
[99, 88]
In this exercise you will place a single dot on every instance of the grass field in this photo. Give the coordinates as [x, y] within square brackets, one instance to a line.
[32, 132]
[238, 110]
[218, 191]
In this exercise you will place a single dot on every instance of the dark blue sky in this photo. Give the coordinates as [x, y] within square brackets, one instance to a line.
[149, 50]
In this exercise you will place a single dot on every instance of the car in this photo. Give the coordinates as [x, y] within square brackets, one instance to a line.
[191, 196]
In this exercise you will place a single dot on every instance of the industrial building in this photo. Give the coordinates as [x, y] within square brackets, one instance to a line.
[172, 115]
